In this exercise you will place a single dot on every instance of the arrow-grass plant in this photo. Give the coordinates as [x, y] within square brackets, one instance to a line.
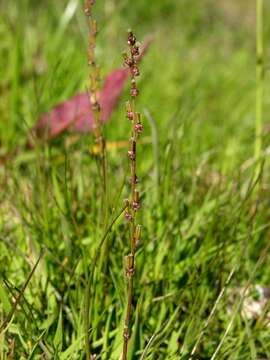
[133, 203]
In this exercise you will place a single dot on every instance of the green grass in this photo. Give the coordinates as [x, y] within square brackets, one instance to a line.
[203, 216]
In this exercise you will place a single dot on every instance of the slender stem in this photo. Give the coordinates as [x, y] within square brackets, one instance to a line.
[128, 315]
[94, 100]
[94, 80]
[258, 264]
[208, 320]
[20, 296]
[88, 297]
[259, 82]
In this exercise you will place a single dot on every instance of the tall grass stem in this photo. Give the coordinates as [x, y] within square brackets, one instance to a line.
[259, 82]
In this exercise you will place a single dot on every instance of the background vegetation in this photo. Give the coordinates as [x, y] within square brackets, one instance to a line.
[203, 215]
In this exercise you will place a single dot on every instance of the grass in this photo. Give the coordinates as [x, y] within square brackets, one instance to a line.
[203, 216]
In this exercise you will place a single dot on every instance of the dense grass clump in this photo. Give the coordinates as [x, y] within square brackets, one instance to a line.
[204, 245]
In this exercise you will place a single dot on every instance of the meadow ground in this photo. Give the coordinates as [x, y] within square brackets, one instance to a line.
[205, 219]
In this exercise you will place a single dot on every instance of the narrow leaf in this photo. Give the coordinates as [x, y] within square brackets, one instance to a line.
[58, 337]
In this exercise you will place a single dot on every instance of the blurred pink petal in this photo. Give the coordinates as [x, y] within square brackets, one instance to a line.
[108, 99]
[75, 114]
[64, 115]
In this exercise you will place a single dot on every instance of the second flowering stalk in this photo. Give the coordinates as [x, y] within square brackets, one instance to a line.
[94, 90]
[133, 204]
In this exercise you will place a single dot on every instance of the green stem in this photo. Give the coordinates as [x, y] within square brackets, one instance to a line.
[88, 293]
[259, 82]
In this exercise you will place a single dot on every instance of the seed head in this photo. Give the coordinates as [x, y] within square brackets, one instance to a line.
[134, 92]
[95, 106]
[131, 39]
[128, 61]
[135, 71]
[135, 180]
[138, 127]
[136, 205]
[87, 12]
[88, 7]
[130, 115]
[135, 50]
[138, 231]
[128, 216]
[131, 154]
[136, 201]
